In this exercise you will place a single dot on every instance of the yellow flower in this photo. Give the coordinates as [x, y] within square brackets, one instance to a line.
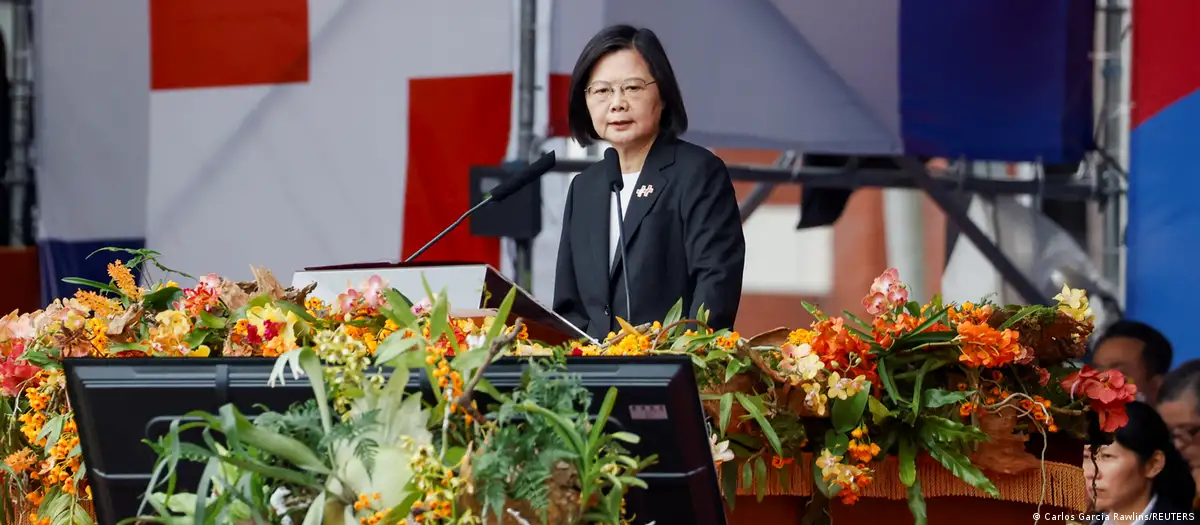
[814, 399]
[174, 323]
[1074, 302]
[260, 314]
[201, 351]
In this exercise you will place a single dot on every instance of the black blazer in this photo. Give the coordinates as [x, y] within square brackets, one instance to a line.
[684, 241]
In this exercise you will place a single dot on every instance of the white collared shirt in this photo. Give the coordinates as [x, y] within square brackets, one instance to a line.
[1141, 519]
[614, 232]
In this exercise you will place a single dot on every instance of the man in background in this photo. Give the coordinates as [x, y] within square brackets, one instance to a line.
[1179, 409]
[1138, 351]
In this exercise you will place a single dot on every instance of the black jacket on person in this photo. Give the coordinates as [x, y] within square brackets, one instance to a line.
[684, 242]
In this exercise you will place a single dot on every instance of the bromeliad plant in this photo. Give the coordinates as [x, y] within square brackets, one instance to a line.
[367, 450]
[961, 383]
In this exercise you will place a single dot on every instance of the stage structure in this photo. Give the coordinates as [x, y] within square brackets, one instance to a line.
[924, 79]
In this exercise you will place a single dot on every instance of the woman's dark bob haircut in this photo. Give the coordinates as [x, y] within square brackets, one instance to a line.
[1145, 434]
[674, 120]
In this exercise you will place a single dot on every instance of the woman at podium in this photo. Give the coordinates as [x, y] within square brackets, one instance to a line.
[681, 227]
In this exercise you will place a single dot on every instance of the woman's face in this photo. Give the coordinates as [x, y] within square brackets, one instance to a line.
[623, 99]
[1119, 476]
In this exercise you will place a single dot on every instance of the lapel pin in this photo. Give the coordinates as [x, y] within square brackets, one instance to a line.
[645, 191]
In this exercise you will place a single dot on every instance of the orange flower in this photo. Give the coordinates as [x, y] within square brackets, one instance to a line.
[842, 351]
[124, 278]
[969, 313]
[984, 346]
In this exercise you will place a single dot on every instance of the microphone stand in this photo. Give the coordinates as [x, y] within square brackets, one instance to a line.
[448, 230]
[624, 251]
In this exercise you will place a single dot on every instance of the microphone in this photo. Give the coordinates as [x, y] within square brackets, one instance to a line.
[502, 191]
[612, 165]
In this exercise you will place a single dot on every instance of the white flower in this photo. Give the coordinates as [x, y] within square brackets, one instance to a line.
[476, 341]
[720, 451]
[801, 363]
[279, 503]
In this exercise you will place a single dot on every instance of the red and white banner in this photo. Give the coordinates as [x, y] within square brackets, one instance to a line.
[282, 133]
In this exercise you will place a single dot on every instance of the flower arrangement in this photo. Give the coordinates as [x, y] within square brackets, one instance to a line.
[964, 384]
[316, 462]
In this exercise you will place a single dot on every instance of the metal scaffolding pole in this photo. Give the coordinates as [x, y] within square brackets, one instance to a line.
[1113, 66]
[20, 174]
[526, 141]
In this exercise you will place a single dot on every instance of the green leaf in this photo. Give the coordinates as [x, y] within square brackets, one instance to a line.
[396, 345]
[41, 358]
[439, 323]
[261, 300]
[729, 478]
[908, 461]
[916, 406]
[123, 347]
[757, 413]
[960, 465]
[813, 310]
[862, 326]
[606, 407]
[932, 320]
[913, 341]
[760, 478]
[732, 369]
[847, 413]
[747, 474]
[208, 320]
[399, 309]
[942, 430]
[51, 431]
[471, 359]
[914, 309]
[938, 397]
[296, 309]
[161, 298]
[674, 314]
[879, 413]
[279, 445]
[316, 378]
[726, 411]
[885, 377]
[837, 443]
[500, 322]
[916, 503]
[93, 284]
[1021, 314]
[195, 338]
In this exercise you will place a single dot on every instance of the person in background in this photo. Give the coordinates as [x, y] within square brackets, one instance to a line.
[1179, 408]
[1138, 351]
[1137, 471]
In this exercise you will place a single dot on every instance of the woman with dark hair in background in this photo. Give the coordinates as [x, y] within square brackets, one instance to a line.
[682, 226]
[1137, 472]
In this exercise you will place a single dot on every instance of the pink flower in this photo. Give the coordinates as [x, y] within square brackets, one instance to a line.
[372, 291]
[885, 282]
[1107, 394]
[887, 292]
[422, 307]
[15, 372]
[875, 303]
